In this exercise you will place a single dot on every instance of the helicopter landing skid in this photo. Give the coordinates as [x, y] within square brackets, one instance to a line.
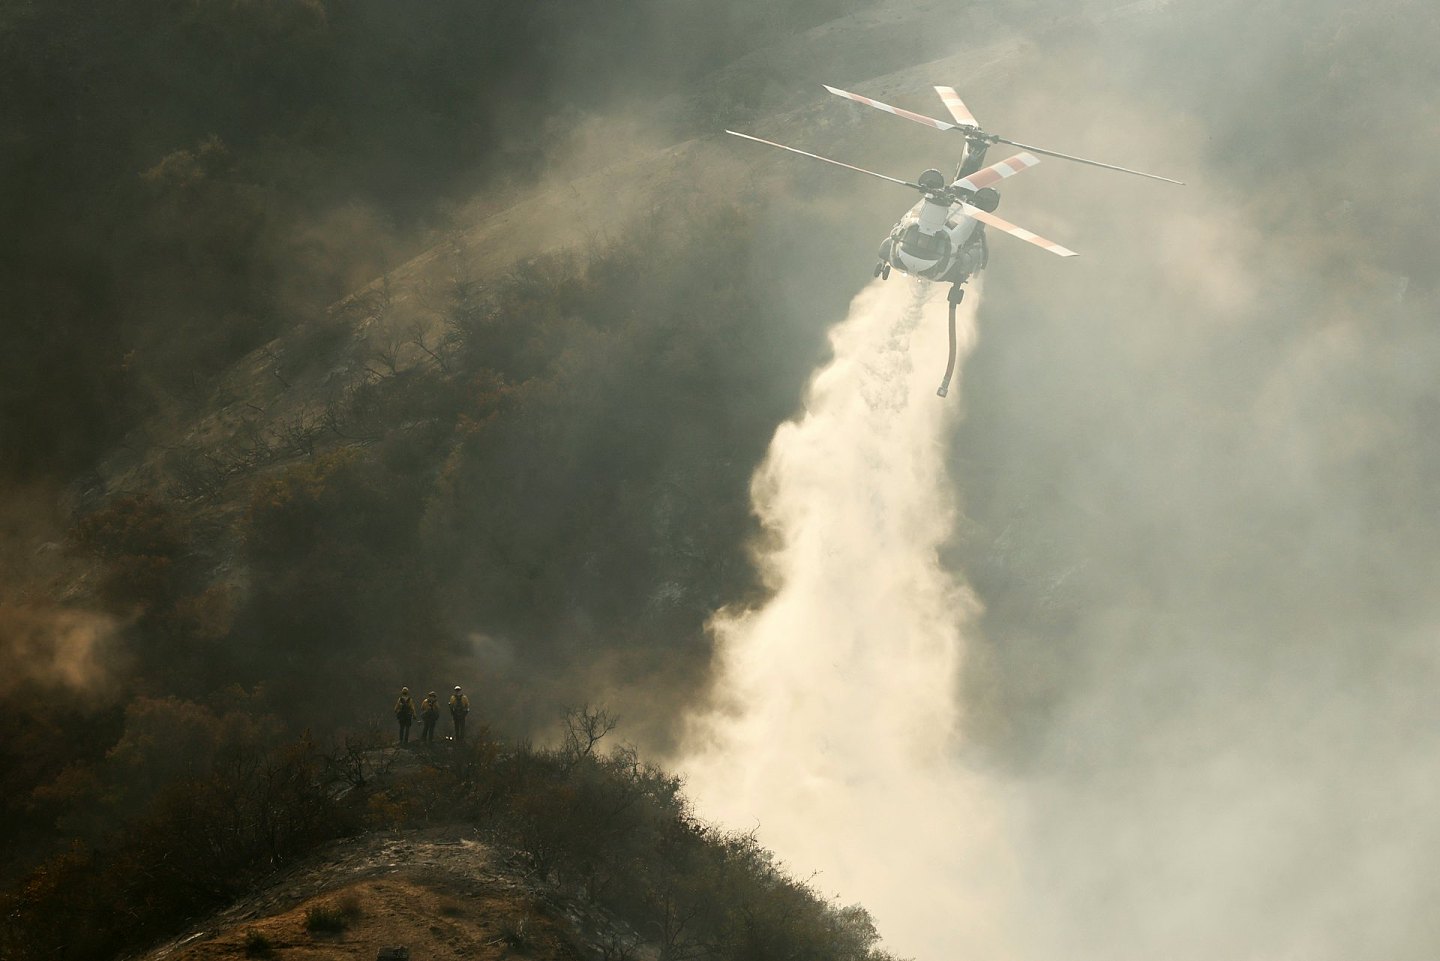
[957, 294]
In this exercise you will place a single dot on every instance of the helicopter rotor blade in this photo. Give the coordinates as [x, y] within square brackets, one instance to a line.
[957, 107]
[996, 172]
[1093, 163]
[803, 153]
[917, 117]
[1001, 224]
[970, 127]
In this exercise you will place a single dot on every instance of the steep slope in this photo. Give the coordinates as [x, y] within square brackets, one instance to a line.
[619, 174]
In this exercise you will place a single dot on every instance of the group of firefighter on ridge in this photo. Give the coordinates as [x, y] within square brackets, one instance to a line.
[429, 712]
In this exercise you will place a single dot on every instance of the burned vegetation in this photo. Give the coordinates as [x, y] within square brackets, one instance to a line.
[219, 803]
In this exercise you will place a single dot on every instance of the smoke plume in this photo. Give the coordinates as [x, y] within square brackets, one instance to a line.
[49, 647]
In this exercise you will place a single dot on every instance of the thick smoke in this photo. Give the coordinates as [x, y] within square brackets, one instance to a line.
[837, 725]
[1199, 479]
[45, 648]
[52, 643]
[1197, 471]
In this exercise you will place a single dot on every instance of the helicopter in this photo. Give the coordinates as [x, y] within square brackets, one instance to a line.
[942, 237]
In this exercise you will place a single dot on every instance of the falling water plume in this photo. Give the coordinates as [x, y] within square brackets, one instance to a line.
[835, 723]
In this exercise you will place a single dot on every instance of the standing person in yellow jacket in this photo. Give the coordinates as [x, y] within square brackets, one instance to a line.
[405, 713]
[429, 714]
[459, 707]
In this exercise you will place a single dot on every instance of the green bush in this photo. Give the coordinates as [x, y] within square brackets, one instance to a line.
[257, 945]
[325, 920]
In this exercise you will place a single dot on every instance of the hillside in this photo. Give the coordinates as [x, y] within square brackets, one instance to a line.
[438, 891]
[617, 179]
[641, 317]
[331, 848]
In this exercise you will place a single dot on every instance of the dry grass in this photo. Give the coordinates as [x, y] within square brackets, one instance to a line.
[433, 919]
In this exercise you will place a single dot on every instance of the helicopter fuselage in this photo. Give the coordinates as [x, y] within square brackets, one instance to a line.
[942, 238]
[937, 241]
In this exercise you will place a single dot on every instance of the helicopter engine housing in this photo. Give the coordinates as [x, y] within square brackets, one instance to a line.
[987, 199]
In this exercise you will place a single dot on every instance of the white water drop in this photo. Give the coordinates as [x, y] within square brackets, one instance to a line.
[835, 724]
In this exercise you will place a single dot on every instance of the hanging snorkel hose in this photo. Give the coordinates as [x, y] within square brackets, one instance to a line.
[956, 295]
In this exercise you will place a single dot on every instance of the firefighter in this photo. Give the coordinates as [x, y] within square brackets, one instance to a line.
[459, 707]
[429, 714]
[405, 713]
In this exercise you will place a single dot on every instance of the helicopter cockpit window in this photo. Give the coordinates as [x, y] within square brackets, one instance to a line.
[925, 246]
